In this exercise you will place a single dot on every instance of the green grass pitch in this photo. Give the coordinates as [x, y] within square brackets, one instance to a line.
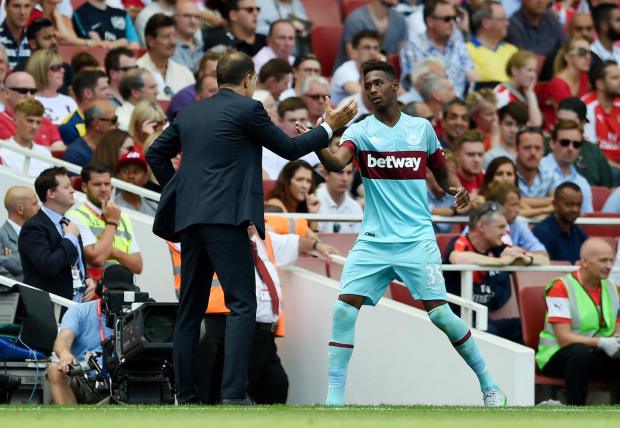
[306, 416]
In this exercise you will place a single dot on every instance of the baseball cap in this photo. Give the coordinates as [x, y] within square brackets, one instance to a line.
[576, 105]
[118, 277]
[129, 158]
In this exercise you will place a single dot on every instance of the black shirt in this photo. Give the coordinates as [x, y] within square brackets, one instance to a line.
[111, 24]
[219, 38]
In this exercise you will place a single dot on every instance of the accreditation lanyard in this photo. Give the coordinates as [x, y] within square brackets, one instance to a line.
[100, 317]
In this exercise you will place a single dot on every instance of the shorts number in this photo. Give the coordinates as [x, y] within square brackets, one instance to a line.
[434, 273]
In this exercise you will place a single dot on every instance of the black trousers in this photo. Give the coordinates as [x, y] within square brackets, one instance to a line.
[225, 249]
[268, 382]
[577, 364]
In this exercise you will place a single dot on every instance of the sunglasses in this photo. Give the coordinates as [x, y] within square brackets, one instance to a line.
[127, 68]
[113, 120]
[491, 208]
[566, 142]
[56, 68]
[24, 91]
[250, 9]
[447, 18]
[580, 52]
[317, 97]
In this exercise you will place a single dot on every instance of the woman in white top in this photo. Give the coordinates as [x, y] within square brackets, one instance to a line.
[48, 71]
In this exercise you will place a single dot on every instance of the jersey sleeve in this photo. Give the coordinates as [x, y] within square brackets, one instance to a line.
[434, 152]
[349, 140]
[558, 308]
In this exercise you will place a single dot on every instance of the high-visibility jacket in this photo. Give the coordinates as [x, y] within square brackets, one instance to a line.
[216, 297]
[283, 225]
[585, 316]
[123, 235]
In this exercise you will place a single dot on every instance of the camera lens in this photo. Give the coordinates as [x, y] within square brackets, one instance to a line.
[158, 327]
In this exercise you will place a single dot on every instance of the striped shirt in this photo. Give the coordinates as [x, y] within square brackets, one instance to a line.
[17, 52]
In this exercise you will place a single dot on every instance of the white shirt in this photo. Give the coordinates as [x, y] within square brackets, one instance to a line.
[598, 48]
[264, 55]
[124, 115]
[177, 76]
[344, 74]
[15, 161]
[290, 92]
[58, 107]
[285, 251]
[348, 206]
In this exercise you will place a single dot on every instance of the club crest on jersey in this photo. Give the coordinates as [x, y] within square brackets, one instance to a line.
[414, 142]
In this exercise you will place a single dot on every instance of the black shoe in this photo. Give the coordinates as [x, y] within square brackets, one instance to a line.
[9, 383]
[247, 401]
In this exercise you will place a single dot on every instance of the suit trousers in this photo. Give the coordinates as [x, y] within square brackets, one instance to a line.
[205, 249]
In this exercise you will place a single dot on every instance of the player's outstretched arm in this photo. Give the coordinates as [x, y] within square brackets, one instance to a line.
[450, 183]
[335, 162]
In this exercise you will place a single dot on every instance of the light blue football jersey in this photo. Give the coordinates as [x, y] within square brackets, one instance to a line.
[393, 165]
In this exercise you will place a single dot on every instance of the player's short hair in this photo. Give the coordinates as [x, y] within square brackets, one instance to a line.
[469, 136]
[376, 65]
[484, 212]
[291, 104]
[498, 192]
[566, 185]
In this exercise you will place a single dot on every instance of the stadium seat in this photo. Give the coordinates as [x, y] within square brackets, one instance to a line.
[58, 154]
[325, 42]
[443, 239]
[599, 196]
[67, 52]
[322, 12]
[394, 59]
[350, 5]
[609, 230]
[77, 3]
[164, 104]
[268, 186]
[401, 294]
[76, 183]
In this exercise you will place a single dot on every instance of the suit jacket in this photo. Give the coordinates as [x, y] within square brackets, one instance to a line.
[219, 180]
[47, 257]
[10, 266]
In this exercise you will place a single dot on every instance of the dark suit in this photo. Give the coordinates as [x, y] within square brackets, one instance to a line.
[47, 257]
[213, 197]
[11, 265]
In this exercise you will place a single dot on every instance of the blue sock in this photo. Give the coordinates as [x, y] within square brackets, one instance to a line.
[340, 350]
[460, 336]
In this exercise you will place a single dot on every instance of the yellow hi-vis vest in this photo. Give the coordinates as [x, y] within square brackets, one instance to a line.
[585, 316]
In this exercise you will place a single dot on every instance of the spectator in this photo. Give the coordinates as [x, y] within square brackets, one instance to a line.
[189, 47]
[507, 195]
[483, 246]
[132, 168]
[13, 33]
[272, 10]
[107, 233]
[487, 49]
[559, 234]
[303, 67]
[18, 86]
[161, 44]
[346, 78]
[377, 15]
[437, 91]
[603, 113]
[294, 190]
[187, 95]
[578, 342]
[240, 32]
[591, 162]
[147, 118]
[421, 71]
[48, 71]
[268, 103]
[512, 117]
[42, 35]
[152, 183]
[582, 26]
[88, 86]
[334, 198]
[536, 182]
[51, 264]
[455, 121]
[536, 28]
[571, 67]
[99, 118]
[607, 24]
[439, 42]
[207, 87]
[280, 44]
[275, 77]
[165, 7]
[315, 93]
[565, 144]
[58, 14]
[500, 170]
[110, 26]
[21, 203]
[439, 202]
[521, 68]
[469, 155]
[4, 68]
[112, 146]
[28, 114]
[482, 109]
[118, 63]
[135, 88]
[418, 110]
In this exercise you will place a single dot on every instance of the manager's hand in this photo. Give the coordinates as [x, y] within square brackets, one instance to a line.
[338, 118]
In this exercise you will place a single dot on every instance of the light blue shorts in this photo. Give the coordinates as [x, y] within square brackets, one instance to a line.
[372, 266]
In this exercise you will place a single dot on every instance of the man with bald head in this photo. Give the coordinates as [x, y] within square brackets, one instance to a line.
[17, 86]
[580, 340]
[99, 118]
[21, 203]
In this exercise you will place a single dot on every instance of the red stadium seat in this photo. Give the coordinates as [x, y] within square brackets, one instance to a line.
[394, 59]
[325, 42]
[611, 230]
[443, 239]
[67, 52]
[58, 154]
[350, 5]
[268, 186]
[76, 182]
[599, 196]
[164, 104]
[401, 294]
[322, 12]
[77, 3]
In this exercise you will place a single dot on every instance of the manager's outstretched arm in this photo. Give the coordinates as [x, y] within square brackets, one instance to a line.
[165, 147]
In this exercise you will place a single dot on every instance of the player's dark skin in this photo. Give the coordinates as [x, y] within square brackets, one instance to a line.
[381, 89]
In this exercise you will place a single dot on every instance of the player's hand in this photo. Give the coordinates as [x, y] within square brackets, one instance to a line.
[65, 360]
[89, 293]
[111, 211]
[71, 229]
[326, 250]
[313, 203]
[461, 196]
[338, 118]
